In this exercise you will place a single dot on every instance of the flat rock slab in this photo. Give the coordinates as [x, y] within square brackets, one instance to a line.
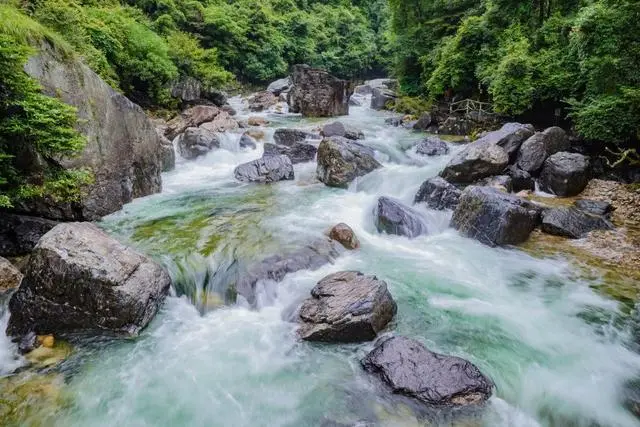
[346, 307]
[412, 370]
[572, 222]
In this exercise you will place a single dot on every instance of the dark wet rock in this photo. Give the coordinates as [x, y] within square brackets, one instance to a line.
[393, 217]
[342, 130]
[346, 307]
[344, 235]
[520, 180]
[565, 174]
[438, 194]
[79, 278]
[266, 170]
[594, 207]
[10, 276]
[535, 150]
[19, 234]
[572, 222]
[381, 99]
[299, 152]
[499, 182]
[289, 137]
[393, 121]
[510, 137]
[261, 101]
[192, 117]
[196, 142]
[478, 160]
[494, 217]
[279, 86]
[341, 160]
[412, 370]
[424, 122]
[247, 141]
[274, 268]
[432, 146]
[316, 93]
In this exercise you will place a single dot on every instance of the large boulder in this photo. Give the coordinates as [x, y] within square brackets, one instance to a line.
[79, 278]
[572, 222]
[266, 170]
[382, 98]
[10, 276]
[191, 117]
[299, 152]
[432, 146]
[438, 194]
[535, 150]
[340, 161]
[316, 93]
[279, 86]
[344, 235]
[393, 217]
[494, 217]
[19, 234]
[510, 137]
[289, 137]
[196, 142]
[478, 160]
[412, 370]
[565, 174]
[262, 101]
[340, 129]
[122, 151]
[346, 307]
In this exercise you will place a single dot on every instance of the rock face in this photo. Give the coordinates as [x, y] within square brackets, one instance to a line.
[123, 149]
[478, 160]
[340, 129]
[438, 194]
[432, 146]
[410, 369]
[10, 277]
[493, 217]
[346, 307]
[299, 152]
[262, 101]
[344, 235]
[393, 217]
[266, 170]
[289, 137]
[316, 93]
[565, 174]
[279, 86]
[19, 234]
[535, 150]
[196, 142]
[572, 222]
[340, 161]
[78, 278]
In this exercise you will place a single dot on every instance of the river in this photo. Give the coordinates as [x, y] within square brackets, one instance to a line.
[549, 342]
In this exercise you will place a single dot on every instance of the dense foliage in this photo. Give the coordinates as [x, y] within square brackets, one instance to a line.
[582, 56]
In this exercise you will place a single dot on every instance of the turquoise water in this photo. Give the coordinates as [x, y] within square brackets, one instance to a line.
[201, 363]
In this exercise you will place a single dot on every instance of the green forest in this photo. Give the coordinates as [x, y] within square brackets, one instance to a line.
[526, 57]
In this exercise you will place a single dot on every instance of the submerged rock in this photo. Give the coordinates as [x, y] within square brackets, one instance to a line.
[393, 217]
[316, 93]
[266, 170]
[342, 130]
[346, 307]
[19, 234]
[196, 142]
[79, 278]
[478, 160]
[344, 235]
[10, 276]
[572, 222]
[493, 217]
[432, 146]
[340, 161]
[412, 370]
[565, 174]
[438, 194]
[298, 152]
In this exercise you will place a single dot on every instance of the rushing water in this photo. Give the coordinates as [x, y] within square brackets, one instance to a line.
[546, 339]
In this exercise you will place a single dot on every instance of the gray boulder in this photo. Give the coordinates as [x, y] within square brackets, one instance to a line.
[493, 217]
[247, 141]
[196, 142]
[412, 370]
[535, 150]
[299, 152]
[340, 161]
[565, 174]
[572, 222]
[10, 276]
[261, 101]
[289, 137]
[424, 122]
[381, 98]
[510, 137]
[438, 194]
[19, 234]
[478, 160]
[79, 278]
[432, 146]
[393, 217]
[342, 130]
[279, 86]
[520, 180]
[266, 170]
[316, 93]
[346, 307]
